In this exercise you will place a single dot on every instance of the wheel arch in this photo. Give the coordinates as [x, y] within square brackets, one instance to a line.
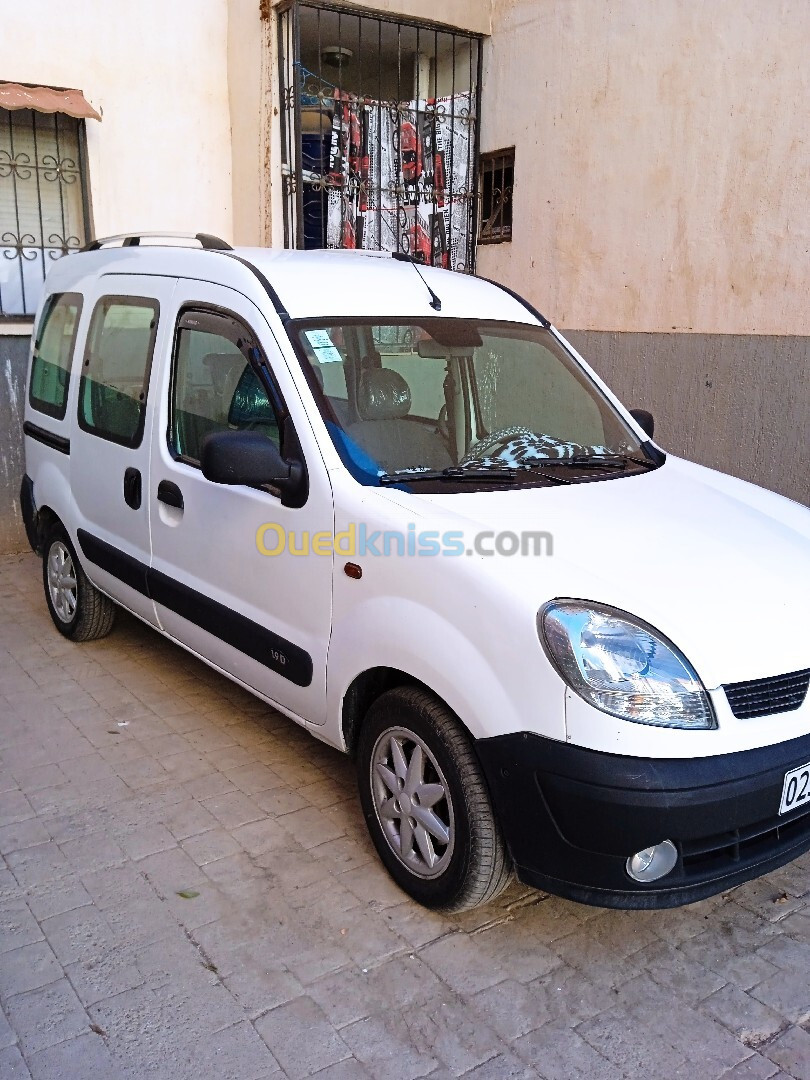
[46, 518]
[366, 688]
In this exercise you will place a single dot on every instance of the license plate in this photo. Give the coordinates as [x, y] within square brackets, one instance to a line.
[796, 789]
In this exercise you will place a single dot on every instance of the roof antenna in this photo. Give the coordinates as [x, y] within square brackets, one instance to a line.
[400, 256]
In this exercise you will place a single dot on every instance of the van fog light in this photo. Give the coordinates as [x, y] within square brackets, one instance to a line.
[653, 862]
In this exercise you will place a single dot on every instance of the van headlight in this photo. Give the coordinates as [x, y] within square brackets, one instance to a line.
[622, 666]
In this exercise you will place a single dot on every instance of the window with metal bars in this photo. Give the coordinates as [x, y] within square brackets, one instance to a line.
[497, 183]
[43, 201]
[379, 133]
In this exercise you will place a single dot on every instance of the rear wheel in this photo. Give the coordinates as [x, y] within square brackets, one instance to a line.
[78, 609]
[427, 805]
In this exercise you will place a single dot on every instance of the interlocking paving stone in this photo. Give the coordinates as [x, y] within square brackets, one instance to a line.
[7, 1034]
[299, 956]
[14, 806]
[559, 1053]
[387, 1046]
[791, 1052]
[17, 926]
[46, 1016]
[755, 1067]
[753, 1022]
[301, 1038]
[29, 967]
[23, 834]
[84, 1056]
[12, 1064]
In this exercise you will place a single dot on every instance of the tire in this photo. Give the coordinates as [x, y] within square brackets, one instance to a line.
[460, 860]
[78, 609]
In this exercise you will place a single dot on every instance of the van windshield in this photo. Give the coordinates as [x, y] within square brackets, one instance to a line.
[407, 398]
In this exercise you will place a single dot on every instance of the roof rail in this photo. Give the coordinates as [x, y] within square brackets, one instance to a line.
[206, 241]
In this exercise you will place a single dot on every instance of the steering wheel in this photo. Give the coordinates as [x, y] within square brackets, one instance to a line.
[495, 443]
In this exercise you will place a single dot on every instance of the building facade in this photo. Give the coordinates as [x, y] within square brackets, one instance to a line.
[639, 172]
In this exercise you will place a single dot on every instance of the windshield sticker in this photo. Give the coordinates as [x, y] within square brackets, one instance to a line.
[325, 351]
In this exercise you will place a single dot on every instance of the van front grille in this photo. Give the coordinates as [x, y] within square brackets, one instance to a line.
[760, 697]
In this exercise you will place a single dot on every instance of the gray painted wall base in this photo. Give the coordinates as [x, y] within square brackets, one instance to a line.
[13, 366]
[737, 403]
[740, 404]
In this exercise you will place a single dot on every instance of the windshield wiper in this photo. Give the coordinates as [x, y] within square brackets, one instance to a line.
[455, 474]
[452, 474]
[599, 461]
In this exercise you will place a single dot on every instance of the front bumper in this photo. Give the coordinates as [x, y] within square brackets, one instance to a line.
[571, 817]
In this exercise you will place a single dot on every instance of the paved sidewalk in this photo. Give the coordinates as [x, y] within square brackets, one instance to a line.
[187, 890]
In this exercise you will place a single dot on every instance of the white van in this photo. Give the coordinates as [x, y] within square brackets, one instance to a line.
[393, 502]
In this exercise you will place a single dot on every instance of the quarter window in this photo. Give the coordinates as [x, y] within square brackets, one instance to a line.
[117, 362]
[215, 385]
[53, 354]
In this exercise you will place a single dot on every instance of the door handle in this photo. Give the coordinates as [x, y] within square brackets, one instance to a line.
[132, 488]
[170, 494]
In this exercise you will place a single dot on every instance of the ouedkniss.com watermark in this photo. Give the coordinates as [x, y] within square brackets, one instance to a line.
[358, 540]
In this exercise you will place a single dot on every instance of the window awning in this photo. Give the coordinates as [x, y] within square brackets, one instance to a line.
[45, 100]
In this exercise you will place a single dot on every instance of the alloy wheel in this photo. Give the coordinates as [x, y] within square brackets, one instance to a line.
[412, 801]
[62, 581]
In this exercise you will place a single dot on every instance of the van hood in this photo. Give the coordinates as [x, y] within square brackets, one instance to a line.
[719, 566]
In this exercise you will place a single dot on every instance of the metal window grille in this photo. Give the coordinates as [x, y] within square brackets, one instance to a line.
[44, 209]
[497, 183]
[380, 121]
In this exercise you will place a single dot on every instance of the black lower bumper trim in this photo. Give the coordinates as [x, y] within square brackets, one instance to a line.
[655, 898]
[572, 817]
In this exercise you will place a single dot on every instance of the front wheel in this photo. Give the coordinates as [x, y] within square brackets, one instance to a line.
[78, 609]
[427, 805]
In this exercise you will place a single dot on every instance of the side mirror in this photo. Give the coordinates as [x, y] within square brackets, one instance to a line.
[645, 421]
[247, 457]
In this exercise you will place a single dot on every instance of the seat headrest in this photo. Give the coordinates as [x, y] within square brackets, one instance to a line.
[224, 369]
[383, 395]
[249, 404]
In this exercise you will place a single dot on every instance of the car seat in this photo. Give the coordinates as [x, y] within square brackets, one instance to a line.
[383, 430]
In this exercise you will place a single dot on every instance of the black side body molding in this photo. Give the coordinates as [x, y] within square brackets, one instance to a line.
[48, 438]
[248, 637]
[127, 569]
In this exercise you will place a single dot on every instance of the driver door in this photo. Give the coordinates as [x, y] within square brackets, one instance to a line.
[264, 619]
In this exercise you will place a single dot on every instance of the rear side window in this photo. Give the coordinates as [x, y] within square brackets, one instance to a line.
[117, 362]
[53, 354]
[215, 387]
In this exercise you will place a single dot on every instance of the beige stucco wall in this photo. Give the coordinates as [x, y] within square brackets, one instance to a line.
[471, 15]
[161, 157]
[250, 68]
[663, 161]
